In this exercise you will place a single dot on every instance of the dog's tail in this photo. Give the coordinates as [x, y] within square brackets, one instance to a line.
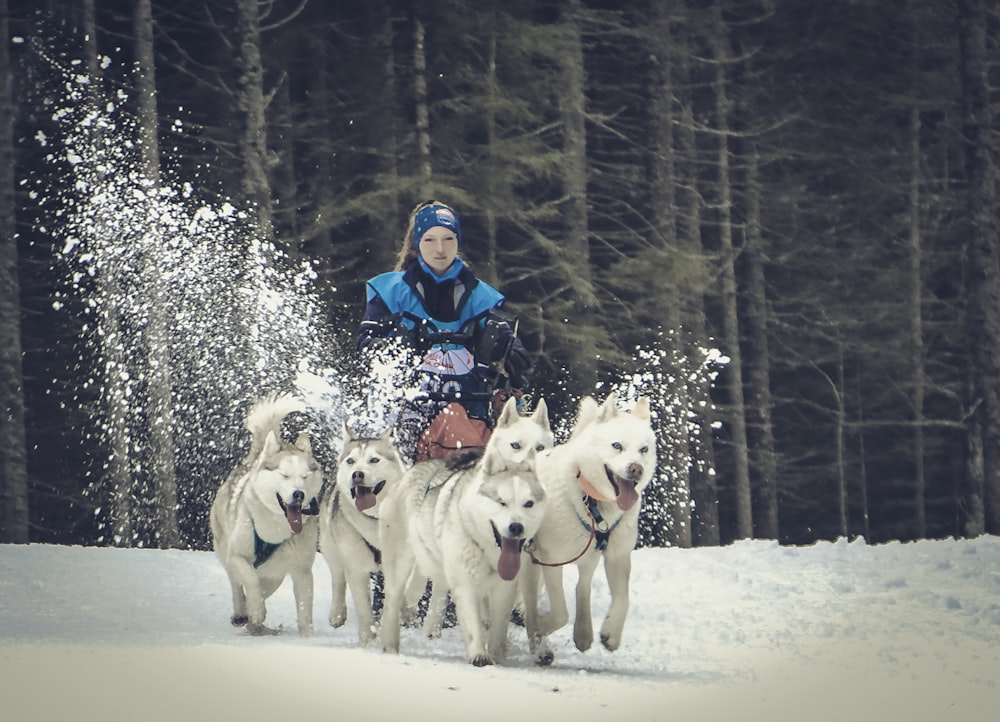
[266, 416]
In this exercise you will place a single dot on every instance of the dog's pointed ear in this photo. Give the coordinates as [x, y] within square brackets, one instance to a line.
[641, 408]
[509, 413]
[346, 433]
[609, 408]
[541, 415]
[271, 444]
[586, 414]
[493, 461]
[302, 442]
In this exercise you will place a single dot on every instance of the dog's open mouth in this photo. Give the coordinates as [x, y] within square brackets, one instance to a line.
[510, 554]
[293, 511]
[625, 493]
[365, 496]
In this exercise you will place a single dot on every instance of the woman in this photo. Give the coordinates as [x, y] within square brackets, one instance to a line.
[466, 345]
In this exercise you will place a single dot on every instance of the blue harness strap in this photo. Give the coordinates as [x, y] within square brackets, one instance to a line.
[262, 550]
[601, 536]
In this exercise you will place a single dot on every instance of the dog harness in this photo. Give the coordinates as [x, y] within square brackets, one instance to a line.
[600, 535]
[264, 550]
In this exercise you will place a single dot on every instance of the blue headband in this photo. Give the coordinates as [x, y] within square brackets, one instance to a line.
[436, 215]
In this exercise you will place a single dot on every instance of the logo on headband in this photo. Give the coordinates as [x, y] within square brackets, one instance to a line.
[445, 217]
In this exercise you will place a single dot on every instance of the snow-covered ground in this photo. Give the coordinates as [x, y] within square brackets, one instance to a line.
[753, 631]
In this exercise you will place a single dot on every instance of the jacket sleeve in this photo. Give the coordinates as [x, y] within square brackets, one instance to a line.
[519, 365]
[377, 323]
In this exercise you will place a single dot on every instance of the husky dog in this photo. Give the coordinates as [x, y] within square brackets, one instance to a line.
[263, 517]
[594, 482]
[517, 439]
[348, 537]
[464, 527]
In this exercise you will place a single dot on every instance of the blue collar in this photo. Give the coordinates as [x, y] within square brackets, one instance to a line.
[456, 268]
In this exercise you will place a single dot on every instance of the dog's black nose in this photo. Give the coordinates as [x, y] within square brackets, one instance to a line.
[358, 477]
[298, 496]
[634, 471]
[516, 529]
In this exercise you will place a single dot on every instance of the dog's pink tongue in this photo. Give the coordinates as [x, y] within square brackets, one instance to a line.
[364, 498]
[293, 512]
[510, 558]
[627, 495]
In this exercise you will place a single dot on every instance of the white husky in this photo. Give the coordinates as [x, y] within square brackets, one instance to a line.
[594, 483]
[517, 439]
[464, 526]
[367, 469]
[263, 519]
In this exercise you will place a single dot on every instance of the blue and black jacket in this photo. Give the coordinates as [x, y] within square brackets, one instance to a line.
[435, 311]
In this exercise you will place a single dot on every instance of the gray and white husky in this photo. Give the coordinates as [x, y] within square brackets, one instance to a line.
[367, 469]
[464, 525]
[263, 519]
[594, 482]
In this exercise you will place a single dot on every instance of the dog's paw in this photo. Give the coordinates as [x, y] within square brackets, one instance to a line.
[260, 630]
[239, 620]
[583, 640]
[338, 620]
[481, 660]
[611, 643]
[545, 658]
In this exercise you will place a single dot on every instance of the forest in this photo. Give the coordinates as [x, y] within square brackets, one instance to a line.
[778, 219]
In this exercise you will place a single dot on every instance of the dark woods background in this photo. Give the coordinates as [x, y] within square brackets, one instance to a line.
[809, 187]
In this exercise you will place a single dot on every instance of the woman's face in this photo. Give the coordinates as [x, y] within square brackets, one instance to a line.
[438, 248]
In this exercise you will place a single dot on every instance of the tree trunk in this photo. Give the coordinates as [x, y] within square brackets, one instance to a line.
[982, 268]
[387, 246]
[423, 123]
[119, 481]
[916, 328]
[675, 498]
[490, 274]
[14, 520]
[705, 530]
[162, 453]
[730, 323]
[583, 362]
[759, 403]
[252, 141]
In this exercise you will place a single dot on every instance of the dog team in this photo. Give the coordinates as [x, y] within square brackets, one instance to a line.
[482, 525]
[473, 498]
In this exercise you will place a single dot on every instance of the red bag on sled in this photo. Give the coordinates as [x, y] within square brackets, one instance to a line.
[451, 430]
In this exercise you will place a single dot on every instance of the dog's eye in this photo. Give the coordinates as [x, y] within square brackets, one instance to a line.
[528, 504]
[616, 446]
[540, 447]
[644, 450]
[373, 460]
[515, 445]
[350, 460]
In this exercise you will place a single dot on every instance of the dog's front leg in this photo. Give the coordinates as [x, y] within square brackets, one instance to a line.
[528, 580]
[558, 613]
[243, 575]
[396, 571]
[583, 625]
[467, 602]
[618, 570]
[361, 593]
[499, 606]
[302, 590]
[436, 606]
[338, 581]
[415, 589]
